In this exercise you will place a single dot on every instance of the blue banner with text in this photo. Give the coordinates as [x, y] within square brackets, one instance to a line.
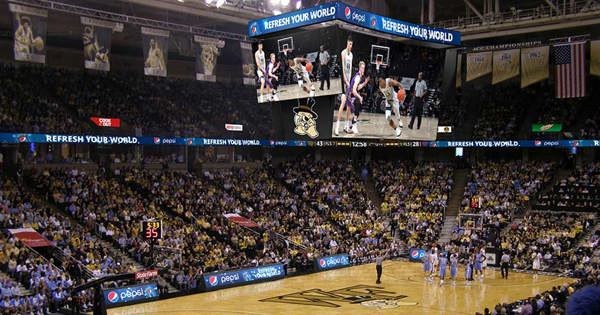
[331, 262]
[349, 14]
[218, 280]
[130, 294]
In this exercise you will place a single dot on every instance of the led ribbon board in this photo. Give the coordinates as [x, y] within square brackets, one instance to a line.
[349, 14]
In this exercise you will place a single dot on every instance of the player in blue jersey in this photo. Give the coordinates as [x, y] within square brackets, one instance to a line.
[443, 264]
[469, 270]
[453, 267]
[427, 265]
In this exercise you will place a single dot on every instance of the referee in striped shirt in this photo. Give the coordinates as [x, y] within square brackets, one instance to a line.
[378, 264]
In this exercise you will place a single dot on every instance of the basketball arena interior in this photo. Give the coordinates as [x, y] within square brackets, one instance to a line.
[299, 157]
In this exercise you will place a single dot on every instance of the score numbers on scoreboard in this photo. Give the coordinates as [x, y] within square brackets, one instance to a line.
[152, 230]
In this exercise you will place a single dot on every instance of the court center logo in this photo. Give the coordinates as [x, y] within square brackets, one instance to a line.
[366, 295]
[305, 119]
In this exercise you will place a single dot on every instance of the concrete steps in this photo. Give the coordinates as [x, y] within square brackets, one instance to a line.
[446, 234]
[454, 200]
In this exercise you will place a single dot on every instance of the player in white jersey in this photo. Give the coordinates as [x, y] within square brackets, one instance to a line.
[346, 77]
[302, 75]
[537, 263]
[392, 104]
[261, 69]
[434, 261]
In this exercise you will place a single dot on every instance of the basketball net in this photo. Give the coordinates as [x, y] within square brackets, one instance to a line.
[377, 64]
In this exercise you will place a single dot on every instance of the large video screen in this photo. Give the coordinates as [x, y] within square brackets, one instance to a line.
[390, 89]
[298, 64]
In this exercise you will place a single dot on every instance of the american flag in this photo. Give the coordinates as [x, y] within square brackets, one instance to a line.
[570, 70]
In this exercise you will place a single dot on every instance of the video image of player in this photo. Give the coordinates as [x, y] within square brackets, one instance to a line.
[398, 101]
[300, 62]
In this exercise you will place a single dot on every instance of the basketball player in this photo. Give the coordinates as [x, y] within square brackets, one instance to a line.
[427, 265]
[443, 265]
[302, 75]
[271, 70]
[353, 98]
[346, 77]
[261, 69]
[386, 86]
[483, 262]
[434, 261]
[537, 263]
[469, 271]
[453, 267]
[478, 261]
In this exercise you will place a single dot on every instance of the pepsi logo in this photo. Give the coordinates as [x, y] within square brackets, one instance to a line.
[373, 22]
[213, 280]
[414, 253]
[156, 140]
[347, 12]
[113, 297]
[148, 292]
[322, 262]
[253, 28]
[537, 142]
[190, 141]
[22, 138]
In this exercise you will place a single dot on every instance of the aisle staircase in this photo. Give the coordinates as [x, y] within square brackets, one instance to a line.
[456, 196]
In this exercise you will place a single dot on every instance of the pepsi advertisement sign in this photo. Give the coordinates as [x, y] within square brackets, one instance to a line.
[332, 262]
[383, 24]
[131, 294]
[416, 254]
[290, 20]
[218, 280]
[343, 12]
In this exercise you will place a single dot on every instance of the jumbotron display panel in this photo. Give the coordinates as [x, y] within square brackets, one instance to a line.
[392, 90]
[297, 64]
[337, 72]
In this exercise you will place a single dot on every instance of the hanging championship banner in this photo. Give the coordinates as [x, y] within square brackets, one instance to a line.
[156, 48]
[30, 27]
[247, 64]
[96, 38]
[506, 65]
[207, 50]
[534, 65]
[459, 71]
[595, 57]
[478, 65]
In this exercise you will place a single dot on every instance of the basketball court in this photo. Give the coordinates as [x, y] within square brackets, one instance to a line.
[293, 91]
[375, 126]
[353, 291]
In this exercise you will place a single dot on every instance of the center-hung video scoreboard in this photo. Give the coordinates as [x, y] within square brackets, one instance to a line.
[338, 72]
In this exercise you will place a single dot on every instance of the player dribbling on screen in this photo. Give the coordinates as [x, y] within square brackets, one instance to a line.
[386, 86]
[302, 75]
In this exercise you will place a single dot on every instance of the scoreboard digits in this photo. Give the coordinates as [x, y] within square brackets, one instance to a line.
[152, 230]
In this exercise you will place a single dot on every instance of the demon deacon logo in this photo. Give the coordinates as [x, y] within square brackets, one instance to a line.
[305, 119]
